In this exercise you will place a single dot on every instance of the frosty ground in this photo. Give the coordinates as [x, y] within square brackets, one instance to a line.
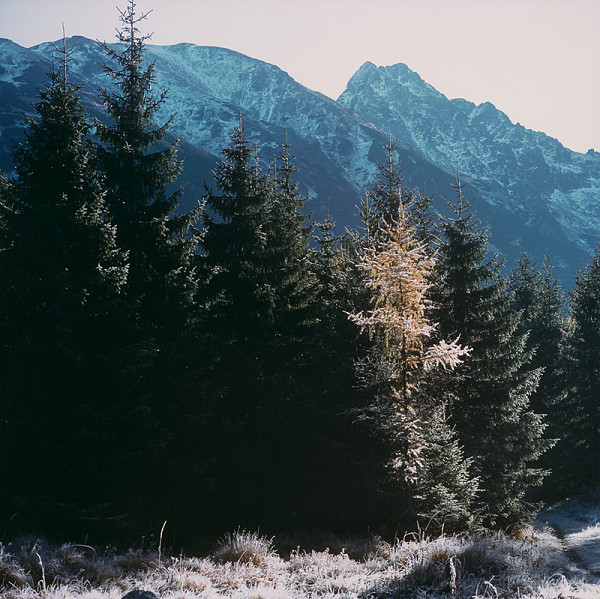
[558, 557]
[577, 524]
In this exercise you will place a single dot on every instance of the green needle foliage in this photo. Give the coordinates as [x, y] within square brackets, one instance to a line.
[289, 261]
[492, 411]
[581, 432]
[256, 256]
[139, 165]
[62, 278]
[537, 298]
[385, 195]
[241, 299]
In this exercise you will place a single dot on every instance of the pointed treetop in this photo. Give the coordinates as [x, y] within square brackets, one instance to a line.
[459, 186]
[64, 56]
[129, 30]
[390, 147]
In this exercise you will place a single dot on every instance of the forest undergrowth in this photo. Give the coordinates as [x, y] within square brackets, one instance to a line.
[245, 565]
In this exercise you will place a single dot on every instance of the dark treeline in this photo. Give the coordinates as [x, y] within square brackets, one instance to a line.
[241, 366]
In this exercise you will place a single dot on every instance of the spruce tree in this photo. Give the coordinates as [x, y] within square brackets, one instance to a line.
[62, 276]
[445, 491]
[581, 432]
[385, 194]
[139, 165]
[339, 287]
[260, 291]
[138, 160]
[537, 297]
[326, 259]
[424, 221]
[492, 411]
[289, 261]
[256, 320]
[240, 297]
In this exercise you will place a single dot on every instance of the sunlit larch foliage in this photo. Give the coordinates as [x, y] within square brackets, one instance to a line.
[397, 270]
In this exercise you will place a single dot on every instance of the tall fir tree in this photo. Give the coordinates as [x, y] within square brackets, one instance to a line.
[256, 254]
[537, 297]
[327, 260]
[238, 319]
[62, 278]
[581, 432]
[445, 491]
[492, 411]
[338, 289]
[289, 268]
[240, 298]
[258, 321]
[385, 194]
[139, 165]
[425, 222]
[139, 162]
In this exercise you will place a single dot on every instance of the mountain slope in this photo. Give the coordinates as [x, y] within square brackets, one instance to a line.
[211, 88]
[549, 187]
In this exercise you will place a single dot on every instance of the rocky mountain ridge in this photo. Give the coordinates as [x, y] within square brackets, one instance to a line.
[528, 173]
[338, 143]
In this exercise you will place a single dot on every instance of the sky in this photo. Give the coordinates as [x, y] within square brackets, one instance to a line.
[536, 60]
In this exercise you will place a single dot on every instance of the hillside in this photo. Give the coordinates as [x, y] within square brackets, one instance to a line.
[551, 188]
[211, 88]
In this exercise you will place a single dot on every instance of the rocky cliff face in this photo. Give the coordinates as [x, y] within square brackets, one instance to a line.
[533, 193]
[529, 174]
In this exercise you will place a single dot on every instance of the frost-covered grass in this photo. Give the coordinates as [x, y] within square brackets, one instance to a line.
[247, 566]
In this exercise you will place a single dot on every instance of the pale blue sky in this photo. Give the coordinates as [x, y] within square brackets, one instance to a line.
[537, 60]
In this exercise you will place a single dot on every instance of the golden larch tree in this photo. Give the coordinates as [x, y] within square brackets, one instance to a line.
[403, 349]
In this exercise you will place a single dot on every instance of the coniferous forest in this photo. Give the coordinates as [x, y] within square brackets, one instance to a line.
[243, 366]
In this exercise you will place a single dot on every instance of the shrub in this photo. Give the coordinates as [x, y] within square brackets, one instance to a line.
[12, 573]
[244, 547]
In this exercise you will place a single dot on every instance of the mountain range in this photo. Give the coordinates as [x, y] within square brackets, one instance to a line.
[534, 194]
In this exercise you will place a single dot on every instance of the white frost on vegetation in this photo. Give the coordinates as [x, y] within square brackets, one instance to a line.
[493, 565]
